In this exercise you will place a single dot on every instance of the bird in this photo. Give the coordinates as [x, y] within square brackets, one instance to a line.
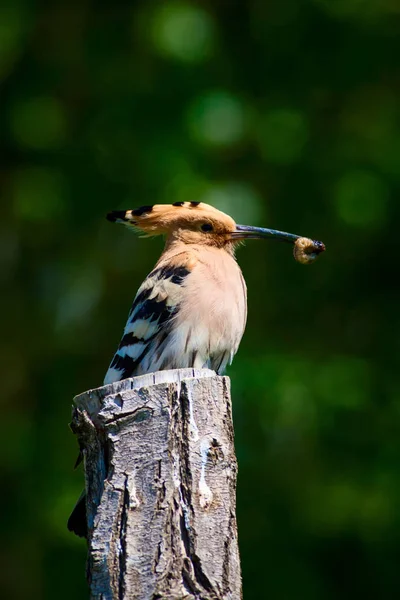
[191, 310]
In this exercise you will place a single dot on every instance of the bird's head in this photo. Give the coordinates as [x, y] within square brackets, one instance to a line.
[188, 222]
[200, 223]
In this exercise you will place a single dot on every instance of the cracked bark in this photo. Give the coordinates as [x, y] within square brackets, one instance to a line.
[160, 473]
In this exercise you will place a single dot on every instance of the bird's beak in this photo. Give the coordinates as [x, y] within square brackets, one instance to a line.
[246, 232]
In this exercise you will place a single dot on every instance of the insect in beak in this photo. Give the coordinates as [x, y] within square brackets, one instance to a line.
[305, 250]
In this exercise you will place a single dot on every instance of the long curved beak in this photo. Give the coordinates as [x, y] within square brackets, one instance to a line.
[246, 232]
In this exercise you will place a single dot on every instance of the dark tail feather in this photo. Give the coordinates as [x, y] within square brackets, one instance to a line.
[77, 522]
[78, 460]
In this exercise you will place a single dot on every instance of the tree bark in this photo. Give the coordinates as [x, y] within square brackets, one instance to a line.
[160, 473]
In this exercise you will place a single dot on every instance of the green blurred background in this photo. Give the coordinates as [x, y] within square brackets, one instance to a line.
[285, 114]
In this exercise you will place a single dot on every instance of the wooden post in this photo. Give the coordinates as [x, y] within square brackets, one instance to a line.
[160, 474]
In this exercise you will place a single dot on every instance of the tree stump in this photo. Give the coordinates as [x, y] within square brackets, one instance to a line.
[160, 472]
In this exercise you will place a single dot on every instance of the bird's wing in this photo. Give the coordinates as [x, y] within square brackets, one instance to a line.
[150, 322]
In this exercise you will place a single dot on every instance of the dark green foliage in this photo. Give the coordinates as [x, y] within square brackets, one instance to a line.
[284, 114]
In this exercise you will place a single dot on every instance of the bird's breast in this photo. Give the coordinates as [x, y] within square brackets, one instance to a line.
[189, 312]
[214, 305]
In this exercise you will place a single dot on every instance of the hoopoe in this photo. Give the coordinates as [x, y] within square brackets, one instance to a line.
[191, 310]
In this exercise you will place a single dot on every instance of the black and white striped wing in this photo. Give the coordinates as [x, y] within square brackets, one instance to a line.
[144, 345]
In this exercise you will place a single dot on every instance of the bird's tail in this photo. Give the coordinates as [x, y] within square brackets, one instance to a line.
[77, 522]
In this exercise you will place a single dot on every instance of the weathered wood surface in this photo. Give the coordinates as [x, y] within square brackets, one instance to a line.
[160, 475]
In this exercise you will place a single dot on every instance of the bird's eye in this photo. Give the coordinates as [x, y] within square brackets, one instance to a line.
[206, 227]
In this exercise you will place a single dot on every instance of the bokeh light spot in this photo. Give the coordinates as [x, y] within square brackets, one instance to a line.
[376, 512]
[83, 289]
[38, 123]
[335, 505]
[361, 199]
[237, 199]
[217, 119]
[186, 185]
[282, 136]
[38, 194]
[183, 32]
[351, 377]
